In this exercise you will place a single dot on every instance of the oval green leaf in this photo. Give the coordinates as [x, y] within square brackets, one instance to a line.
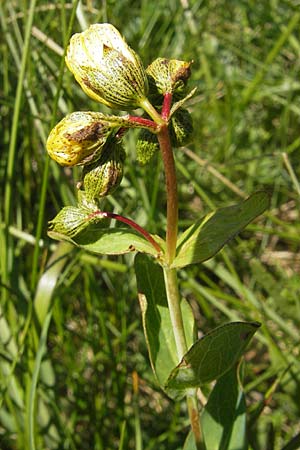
[156, 318]
[210, 357]
[223, 420]
[207, 236]
[109, 241]
[189, 443]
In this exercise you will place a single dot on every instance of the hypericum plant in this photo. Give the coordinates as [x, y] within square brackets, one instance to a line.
[110, 72]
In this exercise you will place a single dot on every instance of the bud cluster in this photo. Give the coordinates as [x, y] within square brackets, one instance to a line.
[111, 73]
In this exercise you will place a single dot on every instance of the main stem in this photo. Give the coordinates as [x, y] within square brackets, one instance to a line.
[170, 174]
[170, 275]
[171, 282]
[172, 196]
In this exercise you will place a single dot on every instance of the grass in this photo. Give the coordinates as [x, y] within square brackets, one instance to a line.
[77, 376]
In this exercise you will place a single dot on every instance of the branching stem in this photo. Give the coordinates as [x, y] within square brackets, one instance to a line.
[142, 122]
[170, 275]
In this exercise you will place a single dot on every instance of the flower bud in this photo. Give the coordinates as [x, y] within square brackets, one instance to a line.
[79, 138]
[181, 129]
[104, 176]
[71, 220]
[168, 75]
[146, 145]
[106, 68]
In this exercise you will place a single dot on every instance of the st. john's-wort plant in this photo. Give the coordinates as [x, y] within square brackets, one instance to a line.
[110, 72]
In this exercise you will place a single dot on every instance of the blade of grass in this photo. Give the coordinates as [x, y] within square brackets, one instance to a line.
[43, 192]
[291, 172]
[249, 91]
[48, 281]
[30, 409]
[7, 248]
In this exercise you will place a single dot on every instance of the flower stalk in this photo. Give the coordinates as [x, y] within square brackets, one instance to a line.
[149, 108]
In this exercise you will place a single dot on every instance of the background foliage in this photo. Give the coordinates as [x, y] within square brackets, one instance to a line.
[91, 386]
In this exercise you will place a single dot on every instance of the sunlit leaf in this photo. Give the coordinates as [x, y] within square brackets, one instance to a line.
[207, 236]
[210, 357]
[109, 241]
[156, 318]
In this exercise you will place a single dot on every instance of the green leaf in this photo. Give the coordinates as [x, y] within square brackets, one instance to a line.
[223, 420]
[109, 241]
[189, 443]
[156, 318]
[210, 357]
[207, 236]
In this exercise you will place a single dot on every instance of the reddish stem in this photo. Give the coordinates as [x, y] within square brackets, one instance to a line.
[142, 122]
[129, 222]
[165, 112]
[171, 187]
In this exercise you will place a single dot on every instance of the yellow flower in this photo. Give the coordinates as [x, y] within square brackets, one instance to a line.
[106, 68]
[80, 137]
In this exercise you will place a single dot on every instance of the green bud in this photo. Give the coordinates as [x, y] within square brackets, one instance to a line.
[147, 144]
[104, 176]
[181, 129]
[72, 220]
[168, 75]
[179, 104]
[80, 137]
[106, 68]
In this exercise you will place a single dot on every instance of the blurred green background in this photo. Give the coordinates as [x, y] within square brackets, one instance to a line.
[66, 376]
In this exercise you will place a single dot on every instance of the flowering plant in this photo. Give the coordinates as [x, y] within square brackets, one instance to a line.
[110, 72]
